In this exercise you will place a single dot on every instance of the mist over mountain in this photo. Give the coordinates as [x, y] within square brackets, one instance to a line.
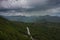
[42, 17]
[46, 18]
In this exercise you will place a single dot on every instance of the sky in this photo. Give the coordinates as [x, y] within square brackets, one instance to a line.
[29, 7]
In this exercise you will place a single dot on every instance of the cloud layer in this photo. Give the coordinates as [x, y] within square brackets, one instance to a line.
[22, 3]
[30, 7]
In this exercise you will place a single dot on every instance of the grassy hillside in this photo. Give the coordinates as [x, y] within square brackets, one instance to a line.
[41, 31]
[9, 32]
[17, 30]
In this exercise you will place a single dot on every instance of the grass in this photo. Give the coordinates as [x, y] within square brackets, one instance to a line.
[9, 32]
[17, 30]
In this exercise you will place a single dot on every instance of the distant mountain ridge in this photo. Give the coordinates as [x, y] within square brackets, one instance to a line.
[34, 18]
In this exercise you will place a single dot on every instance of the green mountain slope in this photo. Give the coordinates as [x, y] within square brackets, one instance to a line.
[41, 31]
[9, 32]
[17, 30]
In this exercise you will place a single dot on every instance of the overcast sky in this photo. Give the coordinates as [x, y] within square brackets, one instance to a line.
[30, 7]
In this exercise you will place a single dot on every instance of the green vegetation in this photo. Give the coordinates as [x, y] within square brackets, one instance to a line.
[41, 31]
[17, 30]
[9, 32]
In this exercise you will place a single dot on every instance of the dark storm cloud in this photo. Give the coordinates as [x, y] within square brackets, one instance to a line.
[42, 7]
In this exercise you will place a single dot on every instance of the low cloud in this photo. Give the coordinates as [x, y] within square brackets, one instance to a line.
[52, 12]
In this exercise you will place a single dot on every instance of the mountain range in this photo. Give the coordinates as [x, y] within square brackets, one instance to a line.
[13, 30]
[46, 18]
